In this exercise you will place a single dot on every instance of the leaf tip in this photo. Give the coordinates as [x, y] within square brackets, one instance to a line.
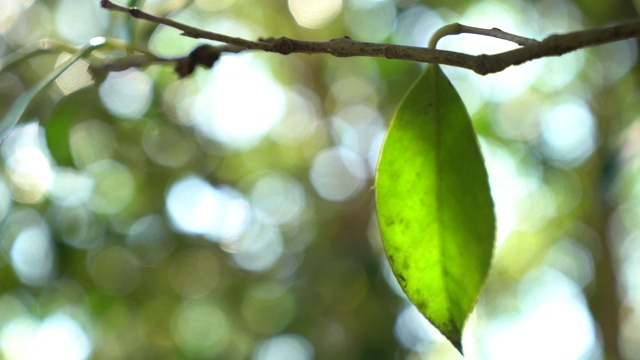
[455, 338]
[458, 345]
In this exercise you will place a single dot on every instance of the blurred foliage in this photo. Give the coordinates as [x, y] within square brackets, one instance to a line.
[229, 214]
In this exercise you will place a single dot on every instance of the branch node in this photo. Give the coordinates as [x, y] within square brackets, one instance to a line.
[283, 45]
[489, 64]
[135, 12]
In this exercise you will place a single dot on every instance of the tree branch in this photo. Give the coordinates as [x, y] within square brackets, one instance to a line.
[554, 45]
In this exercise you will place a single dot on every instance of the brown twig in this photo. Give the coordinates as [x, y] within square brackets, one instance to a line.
[554, 45]
[456, 28]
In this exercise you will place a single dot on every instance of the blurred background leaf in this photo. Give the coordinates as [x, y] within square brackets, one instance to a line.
[229, 214]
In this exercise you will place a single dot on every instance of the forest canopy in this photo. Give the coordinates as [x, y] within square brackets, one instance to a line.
[229, 212]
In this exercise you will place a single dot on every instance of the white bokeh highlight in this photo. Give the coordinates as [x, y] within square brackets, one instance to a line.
[196, 207]
[337, 173]
[127, 94]
[285, 346]
[32, 255]
[314, 14]
[240, 103]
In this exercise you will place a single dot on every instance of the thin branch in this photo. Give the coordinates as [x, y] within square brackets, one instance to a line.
[554, 45]
[456, 28]
[187, 30]
[204, 55]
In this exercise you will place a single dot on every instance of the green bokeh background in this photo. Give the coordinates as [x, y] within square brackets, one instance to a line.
[89, 240]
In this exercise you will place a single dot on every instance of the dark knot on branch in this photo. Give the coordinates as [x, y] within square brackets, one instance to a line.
[283, 45]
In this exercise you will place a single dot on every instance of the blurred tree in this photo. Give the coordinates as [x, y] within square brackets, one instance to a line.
[229, 214]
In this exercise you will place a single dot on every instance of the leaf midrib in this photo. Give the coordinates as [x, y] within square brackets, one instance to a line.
[439, 195]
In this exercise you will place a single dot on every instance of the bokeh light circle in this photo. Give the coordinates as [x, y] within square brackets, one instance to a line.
[196, 207]
[338, 173]
[278, 198]
[127, 94]
[240, 104]
[285, 346]
[314, 14]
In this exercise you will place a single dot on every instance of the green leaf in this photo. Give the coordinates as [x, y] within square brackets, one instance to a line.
[17, 109]
[434, 204]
